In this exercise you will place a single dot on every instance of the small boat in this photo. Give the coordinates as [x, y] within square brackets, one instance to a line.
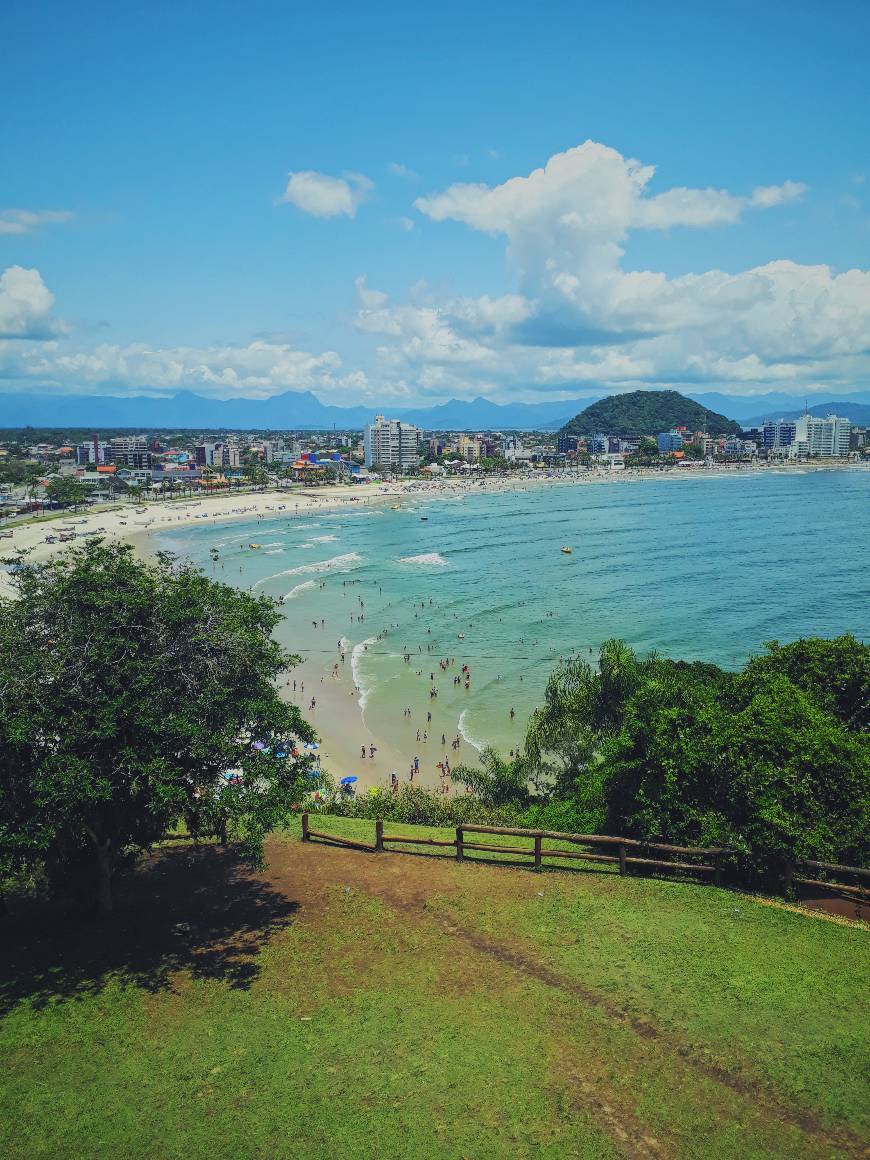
[396, 507]
[253, 545]
[567, 550]
[424, 518]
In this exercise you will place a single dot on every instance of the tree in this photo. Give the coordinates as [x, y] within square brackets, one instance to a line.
[256, 475]
[495, 782]
[67, 492]
[127, 693]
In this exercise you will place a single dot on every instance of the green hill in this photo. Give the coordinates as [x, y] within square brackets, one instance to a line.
[647, 413]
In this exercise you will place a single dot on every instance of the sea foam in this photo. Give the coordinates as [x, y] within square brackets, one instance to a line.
[355, 657]
[336, 564]
[466, 736]
[432, 559]
[296, 589]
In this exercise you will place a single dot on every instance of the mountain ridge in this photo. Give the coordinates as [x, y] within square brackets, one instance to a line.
[302, 410]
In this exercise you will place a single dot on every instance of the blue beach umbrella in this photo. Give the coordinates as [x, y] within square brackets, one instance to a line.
[348, 780]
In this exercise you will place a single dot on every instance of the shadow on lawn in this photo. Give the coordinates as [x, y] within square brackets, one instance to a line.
[194, 909]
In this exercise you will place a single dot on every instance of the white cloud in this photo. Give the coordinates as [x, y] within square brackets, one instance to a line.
[25, 221]
[325, 196]
[25, 305]
[399, 170]
[369, 297]
[407, 224]
[578, 318]
[581, 316]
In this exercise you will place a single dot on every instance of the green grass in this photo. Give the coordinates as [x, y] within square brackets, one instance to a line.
[421, 1008]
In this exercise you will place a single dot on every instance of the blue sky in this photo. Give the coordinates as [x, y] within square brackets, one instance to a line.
[699, 212]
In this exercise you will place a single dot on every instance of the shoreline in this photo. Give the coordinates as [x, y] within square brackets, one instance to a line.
[342, 732]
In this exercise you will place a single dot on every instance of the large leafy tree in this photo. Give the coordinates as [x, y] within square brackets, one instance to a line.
[66, 491]
[128, 692]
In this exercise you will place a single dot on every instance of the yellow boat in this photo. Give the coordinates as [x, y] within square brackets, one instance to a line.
[253, 545]
[566, 550]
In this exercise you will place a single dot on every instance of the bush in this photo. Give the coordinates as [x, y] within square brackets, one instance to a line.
[417, 806]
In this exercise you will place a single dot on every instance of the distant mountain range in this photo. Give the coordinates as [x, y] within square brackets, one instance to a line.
[302, 410]
[291, 410]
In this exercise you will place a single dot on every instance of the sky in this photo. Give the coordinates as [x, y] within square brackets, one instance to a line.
[391, 203]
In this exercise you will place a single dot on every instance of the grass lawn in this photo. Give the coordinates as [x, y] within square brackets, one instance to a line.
[347, 1004]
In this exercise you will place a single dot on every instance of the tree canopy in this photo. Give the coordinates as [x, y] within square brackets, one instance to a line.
[772, 761]
[133, 696]
[646, 413]
[66, 491]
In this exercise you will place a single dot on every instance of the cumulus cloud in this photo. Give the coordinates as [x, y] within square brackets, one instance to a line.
[323, 196]
[582, 315]
[577, 318]
[25, 305]
[258, 369]
[25, 221]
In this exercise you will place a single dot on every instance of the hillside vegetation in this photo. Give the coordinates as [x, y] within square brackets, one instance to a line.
[647, 413]
[347, 1004]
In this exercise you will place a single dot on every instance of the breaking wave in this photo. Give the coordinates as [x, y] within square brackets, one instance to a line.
[337, 564]
[296, 589]
[433, 559]
[466, 736]
[355, 657]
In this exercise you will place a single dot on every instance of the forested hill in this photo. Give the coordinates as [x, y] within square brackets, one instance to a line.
[647, 413]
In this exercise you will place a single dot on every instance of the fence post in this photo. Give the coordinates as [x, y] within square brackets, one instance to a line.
[459, 843]
[305, 837]
[537, 851]
[379, 834]
[717, 868]
[623, 867]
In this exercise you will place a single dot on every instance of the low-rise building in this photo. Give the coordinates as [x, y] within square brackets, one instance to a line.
[669, 441]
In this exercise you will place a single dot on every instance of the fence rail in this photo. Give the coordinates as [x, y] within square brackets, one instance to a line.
[858, 890]
[626, 853]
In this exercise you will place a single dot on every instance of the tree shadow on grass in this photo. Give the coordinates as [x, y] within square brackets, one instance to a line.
[194, 910]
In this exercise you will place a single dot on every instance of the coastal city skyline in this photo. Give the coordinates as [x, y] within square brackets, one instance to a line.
[479, 226]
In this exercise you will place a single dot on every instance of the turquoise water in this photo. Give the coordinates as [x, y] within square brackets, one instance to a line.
[703, 568]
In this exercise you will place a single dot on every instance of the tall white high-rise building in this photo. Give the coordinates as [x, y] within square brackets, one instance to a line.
[821, 438]
[392, 444]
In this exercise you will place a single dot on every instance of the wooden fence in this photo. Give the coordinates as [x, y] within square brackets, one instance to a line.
[859, 890]
[627, 853]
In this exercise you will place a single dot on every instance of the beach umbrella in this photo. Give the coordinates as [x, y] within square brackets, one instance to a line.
[348, 780]
[259, 744]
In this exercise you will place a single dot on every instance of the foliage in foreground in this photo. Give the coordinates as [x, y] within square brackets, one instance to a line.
[127, 691]
[773, 761]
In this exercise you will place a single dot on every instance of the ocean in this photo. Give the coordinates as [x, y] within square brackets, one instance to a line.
[701, 568]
